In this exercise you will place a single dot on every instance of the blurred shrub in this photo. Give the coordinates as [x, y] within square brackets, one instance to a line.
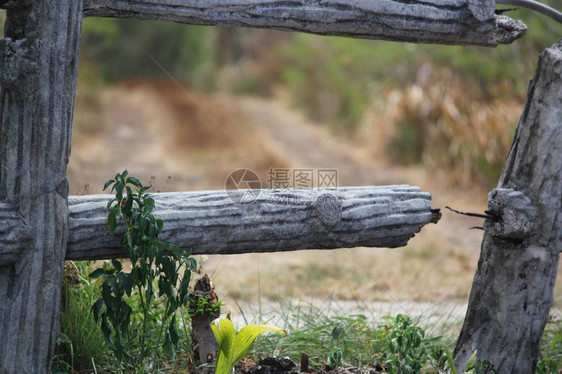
[246, 65]
[407, 145]
[121, 48]
[506, 69]
[438, 122]
[339, 80]
[245, 78]
[333, 79]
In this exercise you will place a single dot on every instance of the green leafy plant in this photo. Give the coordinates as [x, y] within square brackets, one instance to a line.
[315, 330]
[80, 342]
[233, 346]
[139, 304]
[335, 359]
[484, 367]
[201, 305]
[407, 352]
[320, 331]
[547, 366]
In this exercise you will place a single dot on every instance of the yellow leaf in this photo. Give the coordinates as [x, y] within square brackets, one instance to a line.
[232, 346]
[246, 337]
[224, 333]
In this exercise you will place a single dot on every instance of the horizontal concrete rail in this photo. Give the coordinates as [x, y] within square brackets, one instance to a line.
[209, 222]
[421, 21]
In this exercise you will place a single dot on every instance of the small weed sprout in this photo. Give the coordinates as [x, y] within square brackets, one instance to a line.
[335, 359]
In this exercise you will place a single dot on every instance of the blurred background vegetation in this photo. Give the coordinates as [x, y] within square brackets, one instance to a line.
[442, 107]
[445, 107]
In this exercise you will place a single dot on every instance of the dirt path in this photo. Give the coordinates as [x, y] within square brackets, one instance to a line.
[160, 135]
[306, 144]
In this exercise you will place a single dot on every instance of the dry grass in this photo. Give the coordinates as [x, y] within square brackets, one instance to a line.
[383, 275]
[445, 123]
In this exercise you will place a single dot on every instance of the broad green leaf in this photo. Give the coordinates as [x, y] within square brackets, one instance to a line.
[174, 336]
[110, 203]
[246, 337]
[108, 183]
[149, 204]
[127, 280]
[337, 332]
[112, 219]
[96, 308]
[128, 240]
[223, 365]
[112, 281]
[168, 346]
[135, 182]
[106, 295]
[128, 207]
[105, 326]
[184, 284]
[116, 264]
[224, 333]
[111, 222]
[97, 273]
[119, 187]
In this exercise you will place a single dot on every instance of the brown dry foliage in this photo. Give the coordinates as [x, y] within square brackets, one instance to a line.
[444, 123]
